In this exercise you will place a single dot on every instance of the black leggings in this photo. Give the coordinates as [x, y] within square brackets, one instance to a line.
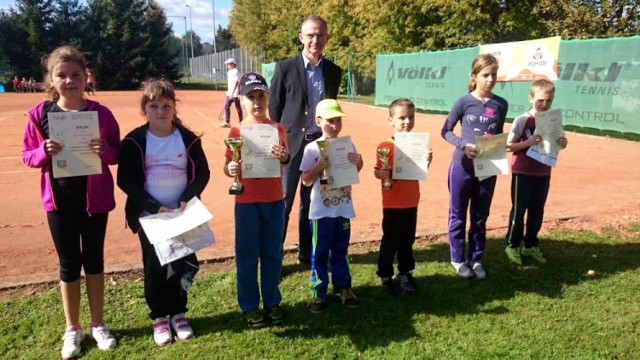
[79, 241]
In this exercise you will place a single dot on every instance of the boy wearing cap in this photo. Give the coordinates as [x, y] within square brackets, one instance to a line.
[233, 76]
[330, 212]
[259, 216]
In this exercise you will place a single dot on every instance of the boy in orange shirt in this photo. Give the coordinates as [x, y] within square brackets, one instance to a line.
[259, 213]
[399, 209]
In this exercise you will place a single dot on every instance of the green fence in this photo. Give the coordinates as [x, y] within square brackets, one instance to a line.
[598, 82]
[267, 71]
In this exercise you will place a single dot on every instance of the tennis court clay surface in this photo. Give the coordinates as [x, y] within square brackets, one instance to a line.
[596, 183]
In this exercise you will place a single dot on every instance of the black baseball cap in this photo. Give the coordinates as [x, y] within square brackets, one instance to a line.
[252, 81]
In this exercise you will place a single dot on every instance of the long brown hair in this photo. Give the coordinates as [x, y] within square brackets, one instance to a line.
[480, 62]
[62, 54]
[153, 89]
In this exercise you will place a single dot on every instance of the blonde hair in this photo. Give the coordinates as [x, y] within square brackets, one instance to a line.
[480, 62]
[60, 55]
[401, 102]
[154, 89]
[543, 85]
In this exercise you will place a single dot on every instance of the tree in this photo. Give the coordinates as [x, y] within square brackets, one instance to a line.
[31, 36]
[197, 43]
[160, 59]
[68, 17]
[224, 39]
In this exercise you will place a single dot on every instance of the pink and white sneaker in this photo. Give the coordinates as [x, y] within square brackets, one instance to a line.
[162, 331]
[181, 327]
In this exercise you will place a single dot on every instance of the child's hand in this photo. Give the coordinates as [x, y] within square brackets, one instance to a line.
[183, 205]
[382, 174]
[534, 140]
[322, 162]
[96, 145]
[470, 151]
[279, 152]
[562, 142]
[354, 158]
[51, 147]
[164, 209]
[233, 167]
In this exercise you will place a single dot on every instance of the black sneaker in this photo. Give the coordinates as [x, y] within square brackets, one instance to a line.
[317, 305]
[274, 315]
[349, 299]
[254, 319]
[406, 281]
[393, 287]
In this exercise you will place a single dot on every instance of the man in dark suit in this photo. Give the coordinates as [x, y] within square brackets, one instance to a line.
[298, 84]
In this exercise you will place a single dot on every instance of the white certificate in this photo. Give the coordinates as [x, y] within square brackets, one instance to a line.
[410, 156]
[257, 161]
[341, 170]
[73, 131]
[549, 126]
[491, 156]
[180, 233]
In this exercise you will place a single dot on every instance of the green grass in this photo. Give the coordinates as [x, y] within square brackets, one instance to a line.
[531, 312]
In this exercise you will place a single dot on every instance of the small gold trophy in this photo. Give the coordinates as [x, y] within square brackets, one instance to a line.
[234, 144]
[383, 155]
[325, 179]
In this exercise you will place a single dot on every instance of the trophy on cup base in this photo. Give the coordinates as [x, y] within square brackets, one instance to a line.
[383, 156]
[325, 179]
[234, 144]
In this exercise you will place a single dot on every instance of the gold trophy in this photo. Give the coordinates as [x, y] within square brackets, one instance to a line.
[383, 156]
[234, 144]
[324, 178]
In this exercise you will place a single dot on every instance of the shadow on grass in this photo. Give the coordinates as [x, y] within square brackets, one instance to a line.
[382, 319]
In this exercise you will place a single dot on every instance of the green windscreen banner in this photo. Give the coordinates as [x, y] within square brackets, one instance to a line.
[432, 80]
[598, 83]
[267, 71]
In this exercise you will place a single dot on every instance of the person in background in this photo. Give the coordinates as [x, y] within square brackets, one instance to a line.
[297, 86]
[233, 85]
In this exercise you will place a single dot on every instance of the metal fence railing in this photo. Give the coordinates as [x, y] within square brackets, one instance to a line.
[212, 66]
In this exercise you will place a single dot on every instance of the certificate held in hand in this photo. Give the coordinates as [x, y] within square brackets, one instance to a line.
[73, 131]
[410, 156]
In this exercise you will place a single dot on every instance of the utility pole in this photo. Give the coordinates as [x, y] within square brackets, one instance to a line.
[191, 35]
[213, 7]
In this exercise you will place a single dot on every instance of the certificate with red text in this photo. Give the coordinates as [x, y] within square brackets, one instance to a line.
[73, 131]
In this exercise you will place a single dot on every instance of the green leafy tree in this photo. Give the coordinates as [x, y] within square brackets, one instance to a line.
[30, 36]
[160, 59]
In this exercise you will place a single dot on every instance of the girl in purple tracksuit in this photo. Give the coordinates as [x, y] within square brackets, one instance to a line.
[480, 113]
[77, 206]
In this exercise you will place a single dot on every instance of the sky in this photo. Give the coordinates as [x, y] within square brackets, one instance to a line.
[201, 16]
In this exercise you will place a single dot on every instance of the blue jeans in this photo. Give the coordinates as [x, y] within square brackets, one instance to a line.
[259, 228]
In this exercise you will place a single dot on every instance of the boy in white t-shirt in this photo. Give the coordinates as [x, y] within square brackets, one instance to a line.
[330, 214]
[233, 85]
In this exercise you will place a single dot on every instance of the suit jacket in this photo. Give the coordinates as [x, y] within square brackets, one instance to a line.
[288, 96]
